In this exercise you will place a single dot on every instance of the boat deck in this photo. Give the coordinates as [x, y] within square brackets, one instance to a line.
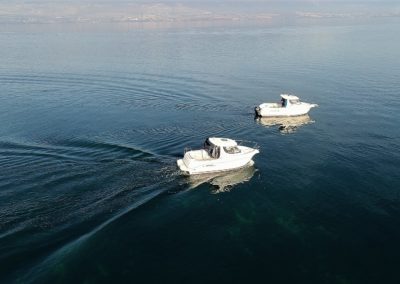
[271, 105]
[200, 155]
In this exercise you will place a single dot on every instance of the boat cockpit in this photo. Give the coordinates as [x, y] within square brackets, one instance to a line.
[214, 151]
[285, 102]
[232, 150]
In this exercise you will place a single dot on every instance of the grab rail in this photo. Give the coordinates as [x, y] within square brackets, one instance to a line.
[247, 143]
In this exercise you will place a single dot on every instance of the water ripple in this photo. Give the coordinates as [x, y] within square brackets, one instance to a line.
[68, 183]
[139, 90]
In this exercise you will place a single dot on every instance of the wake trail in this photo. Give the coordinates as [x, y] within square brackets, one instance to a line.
[38, 271]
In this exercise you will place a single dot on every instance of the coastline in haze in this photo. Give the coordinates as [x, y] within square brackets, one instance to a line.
[40, 12]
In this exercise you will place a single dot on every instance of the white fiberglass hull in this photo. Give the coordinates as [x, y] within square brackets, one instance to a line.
[211, 168]
[192, 166]
[270, 110]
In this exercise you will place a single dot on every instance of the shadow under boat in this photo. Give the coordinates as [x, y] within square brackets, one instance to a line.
[223, 181]
[287, 124]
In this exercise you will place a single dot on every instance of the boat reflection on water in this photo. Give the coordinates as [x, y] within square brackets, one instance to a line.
[223, 181]
[286, 124]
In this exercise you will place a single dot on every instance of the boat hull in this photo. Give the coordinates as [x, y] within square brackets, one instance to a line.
[204, 170]
[191, 166]
[282, 111]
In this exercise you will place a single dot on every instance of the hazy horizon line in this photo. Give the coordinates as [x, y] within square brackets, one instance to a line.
[102, 11]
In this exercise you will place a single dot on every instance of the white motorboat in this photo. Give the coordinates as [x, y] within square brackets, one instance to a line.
[288, 106]
[286, 124]
[217, 155]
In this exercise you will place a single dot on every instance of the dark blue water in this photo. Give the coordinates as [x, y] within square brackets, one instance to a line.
[92, 122]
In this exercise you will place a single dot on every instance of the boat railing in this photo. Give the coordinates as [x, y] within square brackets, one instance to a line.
[247, 143]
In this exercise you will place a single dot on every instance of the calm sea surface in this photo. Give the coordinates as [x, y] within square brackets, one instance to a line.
[92, 122]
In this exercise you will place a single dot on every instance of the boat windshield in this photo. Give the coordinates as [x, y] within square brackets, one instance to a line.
[232, 150]
[211, 149]
[294, 102]
[207, 145]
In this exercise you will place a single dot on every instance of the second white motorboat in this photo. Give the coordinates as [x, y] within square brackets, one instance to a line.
[217, 155]
[289, 106]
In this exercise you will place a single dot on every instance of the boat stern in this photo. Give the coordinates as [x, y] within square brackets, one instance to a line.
[182, 166]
